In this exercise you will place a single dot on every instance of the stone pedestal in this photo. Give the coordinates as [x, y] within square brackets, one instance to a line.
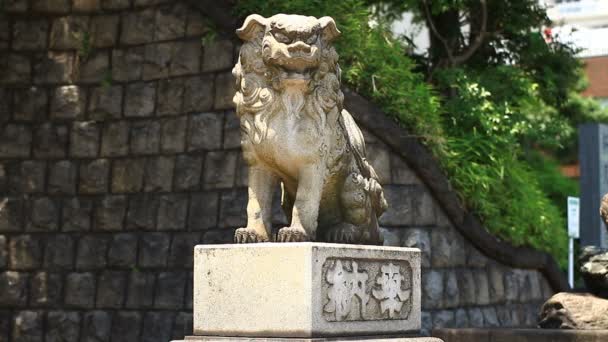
[350, 339]
[305, 290]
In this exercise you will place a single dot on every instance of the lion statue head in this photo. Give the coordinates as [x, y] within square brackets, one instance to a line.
[286, 65]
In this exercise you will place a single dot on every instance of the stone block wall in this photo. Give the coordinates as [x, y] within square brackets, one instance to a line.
[120, 151]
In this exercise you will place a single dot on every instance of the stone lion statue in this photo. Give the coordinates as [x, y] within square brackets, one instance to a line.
[295, 131]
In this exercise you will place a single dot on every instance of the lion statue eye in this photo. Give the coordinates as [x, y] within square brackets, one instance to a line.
[281, 38]
[312, 39]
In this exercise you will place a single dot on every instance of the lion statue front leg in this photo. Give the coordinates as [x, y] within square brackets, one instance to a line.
[259, 207]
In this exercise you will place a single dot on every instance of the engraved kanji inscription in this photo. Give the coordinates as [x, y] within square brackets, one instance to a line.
[366, 289]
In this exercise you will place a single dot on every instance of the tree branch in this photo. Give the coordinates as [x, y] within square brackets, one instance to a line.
[478, 39]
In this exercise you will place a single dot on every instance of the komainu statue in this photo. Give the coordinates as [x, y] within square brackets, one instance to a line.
[295, 131]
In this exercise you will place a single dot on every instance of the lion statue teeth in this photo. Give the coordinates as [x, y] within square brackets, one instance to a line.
[295, 132]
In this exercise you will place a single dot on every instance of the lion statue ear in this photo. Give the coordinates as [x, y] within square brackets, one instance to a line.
[330, 31]
[253, 25]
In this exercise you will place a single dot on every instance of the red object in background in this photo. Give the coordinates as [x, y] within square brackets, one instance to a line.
[548, 34]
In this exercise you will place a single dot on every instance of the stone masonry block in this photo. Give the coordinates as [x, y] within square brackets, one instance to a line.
[203, 211]
[154, 249]
[467, 287]
[170, 23]
[140, 99]
[70, 32]
[321, 268]
[158, 60]
[157, 326]
[496, 284]
[94, 176]
[170, 287]
[62, 326]
[182, 326]
[123, 251]
[110, 212]
[115, 4]
[51, 141]
[188, 170]
[172, 212]
[451, 295]
[443, 319]
[187, 58]
[127, 175]
[11, 217]
[173, 133]
[205, 131]
[62, 177]
[423, 209]
[80, 290]
[105, 103]
[141, 289]
[419, 238]
[13, 289]
[3, 252]
[51, 6]
[15, 141]
[220, 169]
[43, 214]
[143, 209]
[198, 93]
[482, 288]
[59, 252]
[92, 251]
[232, 131]
[16, 6]
[224, 91]
[400, 212]
[126, 326]
[182, 246]
[170, 96]
[104, 30]
[24, 252]
[233, 209]
[27, 326]
[433, 289]
[15, 68]
[84, 140]
[30, 34]
[30, 104]
[26, 177]
[127, 63]
[379, 157]
[111, 288]
[114, 139]
[97, 326]
[145, 137]
[218, 55]
[76, 214]
[138, 27]
[474, 257]
[401, 173]
[86, 6]
[46, 289]
[54, 67]
[447, 246]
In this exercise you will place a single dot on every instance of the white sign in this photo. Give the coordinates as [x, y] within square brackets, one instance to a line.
[573, 217]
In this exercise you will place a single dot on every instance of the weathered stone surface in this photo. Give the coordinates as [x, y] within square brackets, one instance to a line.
[574, 311]
[95, 67]
[447, 247]
[182, 326]
[172, 212]
[224, 91]
[110, 212]
[145, 137]
[140, 99]
[27, 326]
[29, 104]
[475, 317]
[3, 252]
[137, 27]
[62, 178]
[92, 252]
[84, 139]
[153, 250]
[170, 23]
[24, 252]
[26, 177]
[59, 252]
[451, 295]
[126, 326]
[115, 4]
[421, 239]
[157, 326]
[378, 156]
[220, 169]
[51, 141]
[97, 326]
[80, 290]
[158, 60]
[198, 93]
[54, 67]
[76, 214]
[85, 6]
[105, 103]
[232, 131]
[62, 326]
[94, 176]
[188, 172]
[170, 96]
[13, 289]
[203, 208]
[111, 287]
[128, 175]
[158, 174]
[70, 32]
[182, 246]
[233, 208]
[11, 217]
[123, 251]
[15, 141]
[205, 131]
[115, 138]
[218, 55]
[46, 289]
[443, 319]
[173, 135]
[15, 67]
[512, 286]
[16, 6]
[466, 285]
[30, 34]
[594, 265]
[433, 289]
[51, 6]
[401, 173]
[474, 257]
[223, 268]
[170, 287]
[104, 30]
[496, 283]
[127, 63]
[143, 209]
[399, 212]
[481, 287]
[141, 289]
